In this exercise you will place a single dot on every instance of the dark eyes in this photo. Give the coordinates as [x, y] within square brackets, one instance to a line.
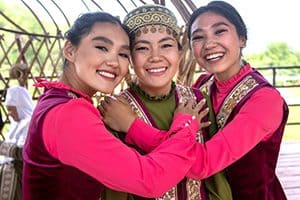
[197, 37]
[140, 48]
[102, 48]
[166, 45]
[201, 37]
[220, 31]
[144, 48]
[124, 55]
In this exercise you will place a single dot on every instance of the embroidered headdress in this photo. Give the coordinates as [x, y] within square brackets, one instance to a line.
[148, 15]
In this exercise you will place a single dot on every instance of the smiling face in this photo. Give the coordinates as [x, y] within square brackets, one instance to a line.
[100, 61]
[216, 45]
[155, 59]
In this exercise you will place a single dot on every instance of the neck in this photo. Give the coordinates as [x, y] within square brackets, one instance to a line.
[70, 78]
[156, 91]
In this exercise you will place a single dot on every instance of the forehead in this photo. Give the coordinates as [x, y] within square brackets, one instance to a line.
[109, 30]
[154, 32]
[208, 19]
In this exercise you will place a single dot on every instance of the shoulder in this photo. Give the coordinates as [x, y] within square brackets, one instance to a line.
[76, 106]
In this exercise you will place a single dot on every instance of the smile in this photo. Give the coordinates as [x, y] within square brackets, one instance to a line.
[214, 56]
[157, 70]
[106, 74]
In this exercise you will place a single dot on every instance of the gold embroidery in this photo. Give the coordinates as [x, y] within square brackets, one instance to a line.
[193, 189]
[152, 15]
[235, 96]
[193, 186]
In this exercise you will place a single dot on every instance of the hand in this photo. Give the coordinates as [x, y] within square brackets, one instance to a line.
[117, 113]
[194, 109]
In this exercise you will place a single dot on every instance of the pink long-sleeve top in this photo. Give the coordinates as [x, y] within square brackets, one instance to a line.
[74, 134]
[256, 121]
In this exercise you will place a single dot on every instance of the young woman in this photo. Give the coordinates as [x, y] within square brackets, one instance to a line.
[154, 96]
[69, 154]
[250, 113]
[247, 108]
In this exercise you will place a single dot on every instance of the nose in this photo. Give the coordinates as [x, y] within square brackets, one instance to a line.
[112, 61]
[155, 55]
[210, 43]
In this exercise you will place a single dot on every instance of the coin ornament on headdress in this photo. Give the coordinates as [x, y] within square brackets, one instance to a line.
[148, 15]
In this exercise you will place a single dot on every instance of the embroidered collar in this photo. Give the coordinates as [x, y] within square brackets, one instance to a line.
[138, 90]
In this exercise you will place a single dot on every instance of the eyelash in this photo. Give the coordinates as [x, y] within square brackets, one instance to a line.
[141, 48]
[102, 48]
[197, 38]
[124, 55]
[220, 31]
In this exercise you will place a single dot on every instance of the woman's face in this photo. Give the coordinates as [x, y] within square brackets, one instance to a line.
[155, 57]
[101, 59]
[13, 113]
[216, 45]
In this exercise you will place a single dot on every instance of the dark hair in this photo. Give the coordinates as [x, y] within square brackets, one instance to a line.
[84, 23]
[224, 9]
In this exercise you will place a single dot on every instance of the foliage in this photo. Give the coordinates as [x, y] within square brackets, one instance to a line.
[277, 54]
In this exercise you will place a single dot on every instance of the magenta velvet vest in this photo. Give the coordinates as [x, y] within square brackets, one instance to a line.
[45, 177]
[253, 176]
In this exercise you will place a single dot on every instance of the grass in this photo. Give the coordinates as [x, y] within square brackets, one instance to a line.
[292, 96]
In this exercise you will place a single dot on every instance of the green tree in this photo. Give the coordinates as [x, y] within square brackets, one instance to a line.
[277, 54]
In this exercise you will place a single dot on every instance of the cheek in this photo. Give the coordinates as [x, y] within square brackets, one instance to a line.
[124, 69]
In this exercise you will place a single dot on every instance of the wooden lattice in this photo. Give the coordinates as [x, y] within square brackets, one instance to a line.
[42, 51]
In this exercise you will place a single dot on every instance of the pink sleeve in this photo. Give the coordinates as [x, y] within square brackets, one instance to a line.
[257, 121]
[147, 137]
[74, 134]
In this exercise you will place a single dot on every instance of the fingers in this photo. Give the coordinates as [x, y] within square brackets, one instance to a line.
[122, 99]
[205, 124]
[101, 109]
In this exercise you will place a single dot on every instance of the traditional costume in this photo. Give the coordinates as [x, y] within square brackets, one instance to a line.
[158, 111]
[251, 116]
[67, 131]
[253, 176]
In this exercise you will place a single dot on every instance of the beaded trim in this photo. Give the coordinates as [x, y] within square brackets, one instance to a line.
[151, 15]
[192, 186]
[235, 96]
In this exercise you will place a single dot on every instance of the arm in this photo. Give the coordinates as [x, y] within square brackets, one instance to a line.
[74, 134]
[146, 136]
[256, 122]
[117, 114]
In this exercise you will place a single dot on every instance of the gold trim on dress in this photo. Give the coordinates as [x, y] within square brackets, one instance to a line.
[234, 97]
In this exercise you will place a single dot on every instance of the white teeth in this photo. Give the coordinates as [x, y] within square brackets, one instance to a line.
[157, 70]
[107, 74]
[214, 56]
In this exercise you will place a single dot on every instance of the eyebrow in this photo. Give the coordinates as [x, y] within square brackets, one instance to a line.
[160, 41]
[108, 41]
[213, 26]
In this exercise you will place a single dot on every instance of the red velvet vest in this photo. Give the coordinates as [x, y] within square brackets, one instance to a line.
[253, 176]
[45, 177]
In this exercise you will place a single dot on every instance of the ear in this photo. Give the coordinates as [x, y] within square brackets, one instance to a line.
[69, 51]
[243, 42]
